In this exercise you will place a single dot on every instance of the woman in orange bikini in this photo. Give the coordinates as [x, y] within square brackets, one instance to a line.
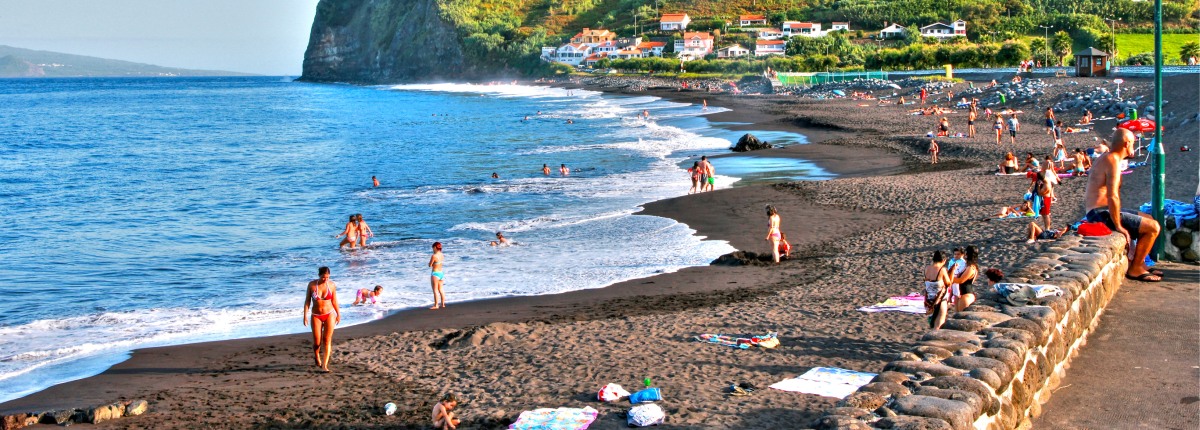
[322, 298]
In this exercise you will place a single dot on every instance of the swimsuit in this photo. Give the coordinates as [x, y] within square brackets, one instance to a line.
[1130, 221]
[438, 274]
[328, 296]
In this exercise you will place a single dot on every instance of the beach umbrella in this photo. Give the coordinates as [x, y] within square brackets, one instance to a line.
[1138, 125]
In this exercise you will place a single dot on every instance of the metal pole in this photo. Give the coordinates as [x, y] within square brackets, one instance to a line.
[1159, 174]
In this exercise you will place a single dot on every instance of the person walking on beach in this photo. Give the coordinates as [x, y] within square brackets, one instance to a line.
[364, 230]
[437, 276]
[711, 175]
[1102, 201]
[937, 282]
[1049, 117]
[351, 233]
[321, 297]
[703, 173]
[933, 151]
[694, 172]
[923, 94]
[998, 125]
[971, 121]
[964, 279]
[1013, 127]
[773, 233]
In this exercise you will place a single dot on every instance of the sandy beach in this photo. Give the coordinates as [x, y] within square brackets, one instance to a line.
[858, 240]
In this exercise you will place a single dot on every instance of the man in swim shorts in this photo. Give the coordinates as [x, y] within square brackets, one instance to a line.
[703, 172]
[1102, 201]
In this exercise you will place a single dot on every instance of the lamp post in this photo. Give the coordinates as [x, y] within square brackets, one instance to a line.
[1046, 35]
[1112, 31]
[1158, 175]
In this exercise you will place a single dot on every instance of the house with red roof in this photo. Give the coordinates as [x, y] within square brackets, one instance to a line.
[694, 45]
[748, 20]
[674, 22]
[769, 47]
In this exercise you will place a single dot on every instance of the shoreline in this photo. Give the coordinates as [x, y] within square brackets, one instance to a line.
[683, 289]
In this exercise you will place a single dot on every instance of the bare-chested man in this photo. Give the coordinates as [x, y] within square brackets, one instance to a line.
[1103, 200]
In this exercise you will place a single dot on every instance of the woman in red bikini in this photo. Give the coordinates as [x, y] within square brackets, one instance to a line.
[322, 298]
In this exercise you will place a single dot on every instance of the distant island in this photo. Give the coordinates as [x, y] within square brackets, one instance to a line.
[28, 63]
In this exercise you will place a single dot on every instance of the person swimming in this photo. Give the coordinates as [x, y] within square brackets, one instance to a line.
[500, 240]
[364, 294]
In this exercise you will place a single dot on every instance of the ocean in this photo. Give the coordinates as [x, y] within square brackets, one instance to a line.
[144, 212]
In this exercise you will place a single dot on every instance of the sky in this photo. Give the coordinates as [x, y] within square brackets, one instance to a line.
[265, 37]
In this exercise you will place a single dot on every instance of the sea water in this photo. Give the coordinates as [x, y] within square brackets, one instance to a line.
[146, 212]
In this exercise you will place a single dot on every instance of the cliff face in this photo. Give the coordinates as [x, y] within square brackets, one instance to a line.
[382, 41]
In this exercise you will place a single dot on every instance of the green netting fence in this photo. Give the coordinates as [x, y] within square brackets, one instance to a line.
[806, 79]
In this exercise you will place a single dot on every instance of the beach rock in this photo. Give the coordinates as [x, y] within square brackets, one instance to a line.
[934, 369]
[951, 336]
[13, 422]
[1027, 325]
[59, 417]
[991, 403]
[987, 376]
[104, 413]
[967, 363]
[750, 143]
[1181, 239]
[1013, 345]
[976, 401]
[927, 351]
[884, 412]
[1043, 314]
[841, 422]
[896, 377]
[1029, 339]
[743, 258]
[988, 318]
[966, 325]
[953, 347]
[856, 413]
[863, 399]
[136, 407]
[1009, 358]
[909, 422]
[886, 389]
[960, 415]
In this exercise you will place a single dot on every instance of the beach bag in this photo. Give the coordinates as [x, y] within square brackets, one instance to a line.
[1093, 229]
[611, 392]
[645, 396]
[646, 415]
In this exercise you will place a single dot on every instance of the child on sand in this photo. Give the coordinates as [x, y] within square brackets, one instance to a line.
[363, 294]
[443, 413]
[785, 248]
[933, 151]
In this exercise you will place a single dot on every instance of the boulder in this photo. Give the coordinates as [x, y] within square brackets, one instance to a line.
[934, 352]
[841, 422]
[742, 258]
[886, 389]
[750, 143]
[953, 347]
[935, 369]
[136, 407]
[987, 318]
[1181, 239]
[969, 326]
[970, 362]
[1027, 338]
[987, 376]
[857, 413]
[960, 415]
[60, 417]
[863, 399]
[1009, 358]
[951, 336]
[13, 422]
[1039, 331]
[977, 402]
[896, 377]
[104, 413]
[909, 422]
[990, 405]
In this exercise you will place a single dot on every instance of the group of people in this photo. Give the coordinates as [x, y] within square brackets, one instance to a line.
[703, 176]
[356, 231]
[952, 282]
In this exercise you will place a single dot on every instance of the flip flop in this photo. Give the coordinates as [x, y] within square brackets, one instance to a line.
[1144, 277]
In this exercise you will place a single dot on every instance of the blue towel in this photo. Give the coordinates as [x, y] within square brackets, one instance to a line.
[1180, 210]
[647, 395]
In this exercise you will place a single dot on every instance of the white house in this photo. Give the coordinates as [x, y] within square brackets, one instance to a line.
[770, 34]
[591, 60]
[945, 31]
[748, 20]
[572, 53]
[652, 49]
[836, 26]
[674, 22]
[593, 37]
[629, 53]
[694, 45]
[892, 32]
[732, 51]
[606, 47]
[769, 47]
[796, 28]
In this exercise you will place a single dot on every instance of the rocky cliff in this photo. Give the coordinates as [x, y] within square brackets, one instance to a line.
[383, 41]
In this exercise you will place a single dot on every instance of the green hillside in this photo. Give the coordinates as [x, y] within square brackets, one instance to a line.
[1133, 44]
[24, 63]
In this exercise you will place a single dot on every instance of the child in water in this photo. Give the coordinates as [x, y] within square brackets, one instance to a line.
[363, 294]
[443, 413]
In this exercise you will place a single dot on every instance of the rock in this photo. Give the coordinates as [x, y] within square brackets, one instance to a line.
[960, 415]
[908, 422]
[977, 402]
[932, 351]
[1029, 339]
[935, 369]
[953, 347]
[1181, 239]
[951, 336]
[750, 143]
[987, 376]
[104, 413]
[971, 362]
[896, 377]
[1010, 344]
[1009, 358]
[884, 412]
[856, 413]
[13, 422]
[60, 417]
[863, 399]
[886, 389]
[840, 422]
[742, 258]
[136, 407]
[1033, 328]
[1190, 255]
[988, 318]
[969, 326]
[1044, 314]
[991, 403]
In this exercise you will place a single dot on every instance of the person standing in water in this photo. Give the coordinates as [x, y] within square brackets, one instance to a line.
[773, 233]
[364, 230]
[710, 173]
[564, 170]
[545, 170]
[351, 233]
[375, 181]
[322, 298]
[437, 276]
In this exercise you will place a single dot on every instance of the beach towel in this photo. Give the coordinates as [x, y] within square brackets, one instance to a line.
[1020, 294]
[1180, 210]
[555, 419]
[913, 303]
[826, 381]
[1010, 174]
[611, 392]
[646, 415]
[769, 340]
[646, 396]
[1078, 130]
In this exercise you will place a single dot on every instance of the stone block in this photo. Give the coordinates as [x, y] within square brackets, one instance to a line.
[988, 318]
[1022, 336]
[953, 347]
[1006, 356]
[987, 376]
[964, 383]
[1037, 313]
[972, 362]
[886, 389]
[136, 407]
[1033, 328]
[914, 367]
[862, 399]
[960, 415]
[932, 351]
[1010, 344]
[951, 336]
[967, 397]
[965, 325]
[896, 377]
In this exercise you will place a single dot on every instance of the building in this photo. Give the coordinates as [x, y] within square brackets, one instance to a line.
[839, 26]
[769, 47]
[1091, 62]
[733, 51]
[674, 22]
[571, 53]
[945, 31]
[796, 28]
[694, 45]
[770, 34]
[591, 60]
[748, 20]
[627, 53]
[894, 31]
[652, 49]
[593, 37]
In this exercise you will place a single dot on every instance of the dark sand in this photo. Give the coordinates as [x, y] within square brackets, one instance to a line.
[860, 240]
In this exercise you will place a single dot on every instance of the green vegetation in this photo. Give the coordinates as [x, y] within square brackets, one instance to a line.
[1132, 44]
[18, 62]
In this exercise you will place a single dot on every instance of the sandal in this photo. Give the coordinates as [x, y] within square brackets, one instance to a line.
[1145, 277]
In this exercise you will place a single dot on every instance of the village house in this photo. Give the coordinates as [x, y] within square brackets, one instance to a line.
[612, 46]
[674, 22]
[694, 45]
[893, 31]
[748, 20]
[839, 26]
[652, 49]
[571, 53]
[591, 60]
[770, 34]
[945, 31]
[627, 53]
[733, 51]
[769, 47]
[796, 28]
[593, 38]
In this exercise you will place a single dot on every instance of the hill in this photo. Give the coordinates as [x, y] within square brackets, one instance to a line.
[28, 63]
[379, 41]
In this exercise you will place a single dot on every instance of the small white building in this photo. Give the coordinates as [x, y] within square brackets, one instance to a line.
[796, 28]
[629, 53]
[652, 49]
[839, 26]
[733, 51]
[749, 20]
[893, 31]
[942, 30]
[674, 22]
[572, 53]
[770, 34]
[694, 45]
[769, 47]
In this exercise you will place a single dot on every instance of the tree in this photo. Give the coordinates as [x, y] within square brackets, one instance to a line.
[1061, 45]
[1039, 50]
[1189, 50]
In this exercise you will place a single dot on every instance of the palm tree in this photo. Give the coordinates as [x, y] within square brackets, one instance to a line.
[1189, 50]
[1061, 45]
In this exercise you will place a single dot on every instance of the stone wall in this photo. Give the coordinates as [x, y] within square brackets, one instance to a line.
[1182, 240]
[994, 365]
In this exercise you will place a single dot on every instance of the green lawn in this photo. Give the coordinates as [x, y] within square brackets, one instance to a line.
[1133, 44]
